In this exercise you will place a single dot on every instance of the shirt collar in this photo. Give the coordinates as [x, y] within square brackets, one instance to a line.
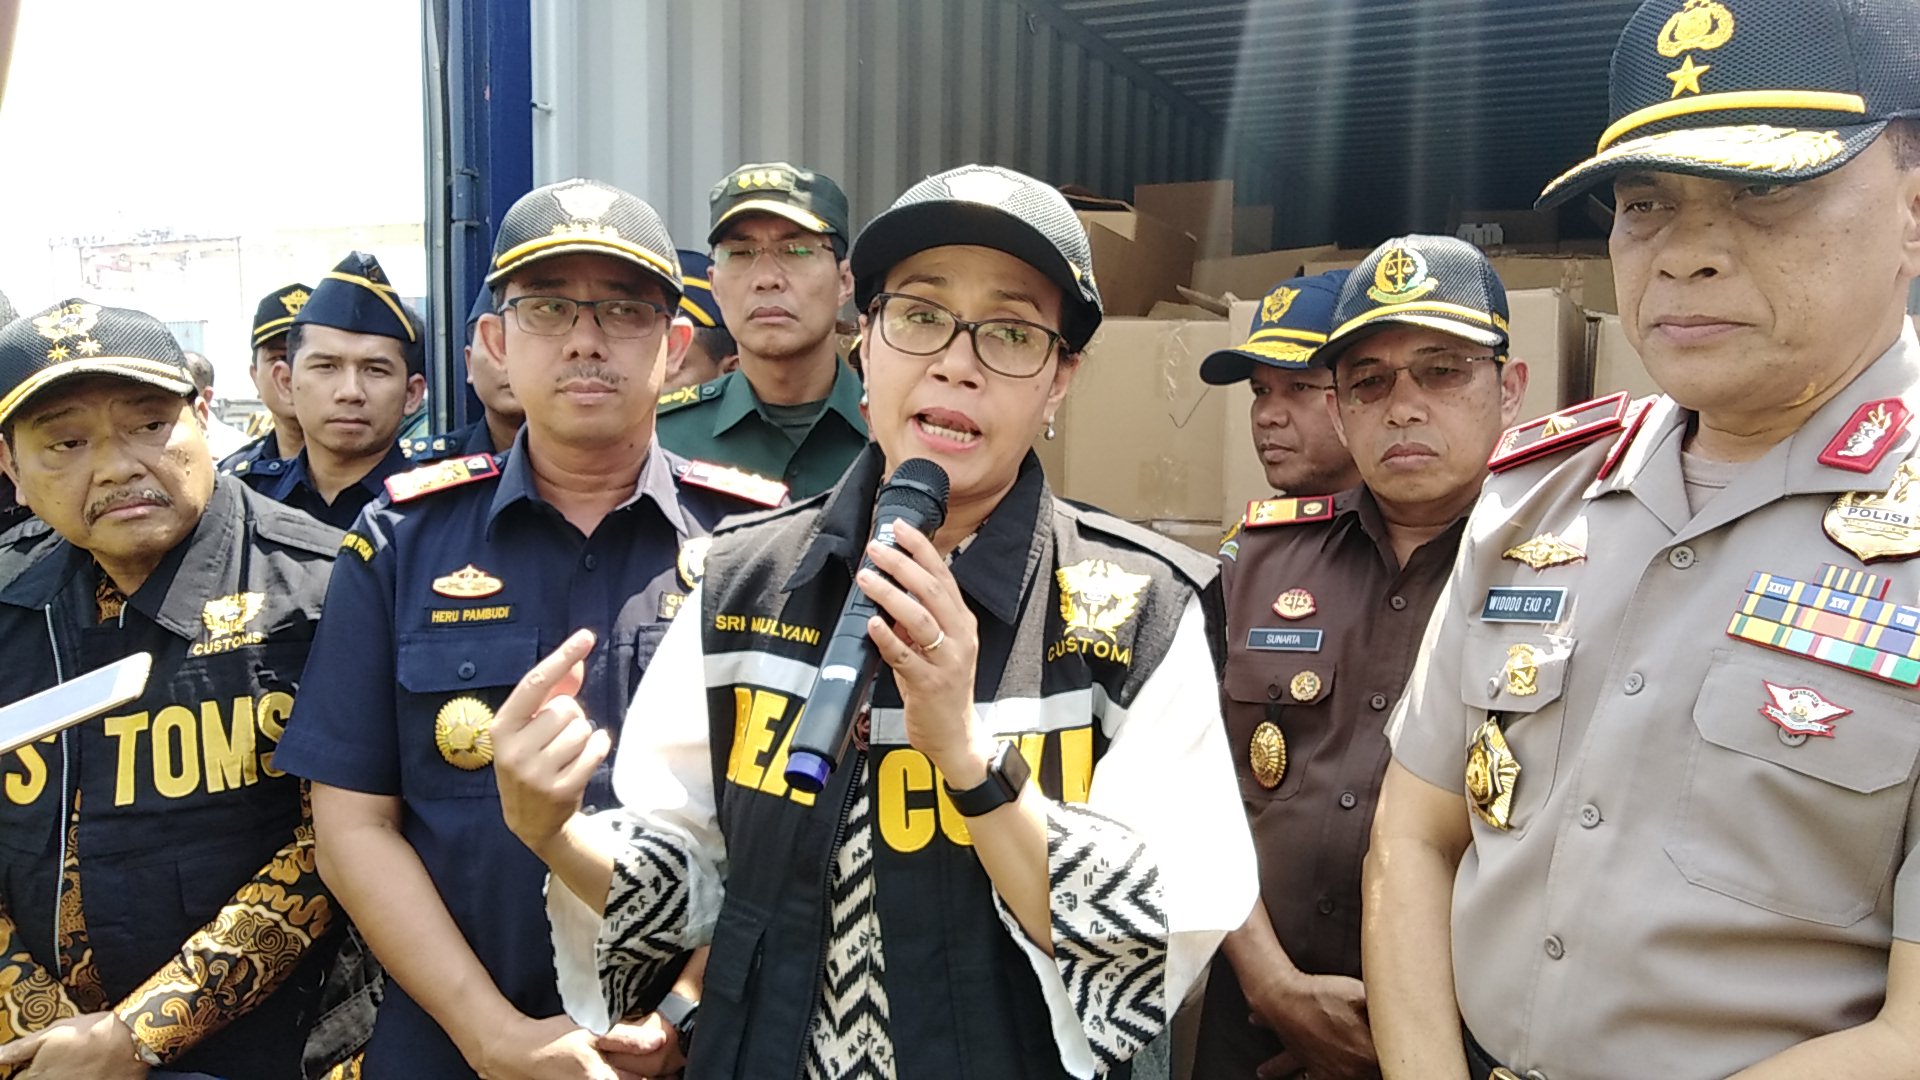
[656, 483]
[374, 482]
[1006, 539]
[1793, 467]
[738, 400]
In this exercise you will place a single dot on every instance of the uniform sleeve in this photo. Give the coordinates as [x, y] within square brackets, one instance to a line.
[232, 964]
[30, 997]
[1151, 873]
[343, 732]
[1428, 728]
[669, 861]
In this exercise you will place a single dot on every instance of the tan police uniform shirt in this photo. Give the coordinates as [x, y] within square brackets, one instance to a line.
[1322, 628]
[1687, 887]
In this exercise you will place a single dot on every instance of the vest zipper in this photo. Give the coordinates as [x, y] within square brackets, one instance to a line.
[826, 942]
[59, 826]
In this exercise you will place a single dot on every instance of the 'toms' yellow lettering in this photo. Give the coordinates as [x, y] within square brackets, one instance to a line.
[759, 756]
[26, 777]
[184, 750]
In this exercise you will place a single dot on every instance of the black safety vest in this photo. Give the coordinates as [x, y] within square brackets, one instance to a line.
[963, 998]
[179, 801]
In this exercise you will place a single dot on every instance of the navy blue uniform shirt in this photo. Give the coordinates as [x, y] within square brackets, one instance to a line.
[439, 605]
[295, 488]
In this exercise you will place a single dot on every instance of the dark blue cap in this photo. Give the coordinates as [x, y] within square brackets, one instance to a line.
[1294, 320]
[357, 297]
[1437, 282]
[696, 300]
[482, 305]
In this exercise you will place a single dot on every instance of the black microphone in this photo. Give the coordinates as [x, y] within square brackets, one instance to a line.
[917, 496]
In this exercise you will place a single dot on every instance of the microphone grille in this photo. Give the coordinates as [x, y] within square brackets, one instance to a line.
[923, 474]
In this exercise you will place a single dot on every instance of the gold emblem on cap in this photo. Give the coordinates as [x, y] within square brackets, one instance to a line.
[1400, 276]
[1492, 774]
[1305, 686]
[227, 615]
[692, 562]
[294, 301]
[1522, 671]
[1699, 24]
[584, 203]
[468, 583]
[462, 733]
[1883, 526]
[1267, 753]
[73, 320]
[1275, 306]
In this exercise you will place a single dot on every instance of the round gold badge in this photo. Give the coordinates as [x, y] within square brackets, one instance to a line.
[692, 562]
[1305, 686]
[1492, 774]
[461, 732]
[1267, 753]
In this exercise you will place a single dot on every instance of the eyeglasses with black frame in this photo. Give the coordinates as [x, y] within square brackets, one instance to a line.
[552, 316]
[917, 326]
[787, 254]
[1440, 373]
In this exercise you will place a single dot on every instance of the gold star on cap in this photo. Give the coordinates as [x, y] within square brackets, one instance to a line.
[1686, 77]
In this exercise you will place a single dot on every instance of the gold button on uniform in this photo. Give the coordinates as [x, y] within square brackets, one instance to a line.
[1267, 753]
[461, 731]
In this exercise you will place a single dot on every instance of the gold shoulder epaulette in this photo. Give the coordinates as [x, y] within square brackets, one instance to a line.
[739, 483]
[673, 399]
[439, 476]
[1572, 426]
[1293, 510]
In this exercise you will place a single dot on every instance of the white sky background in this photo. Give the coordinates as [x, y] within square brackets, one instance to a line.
[213, 117]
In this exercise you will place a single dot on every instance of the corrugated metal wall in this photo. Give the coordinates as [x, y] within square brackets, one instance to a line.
[664, 97]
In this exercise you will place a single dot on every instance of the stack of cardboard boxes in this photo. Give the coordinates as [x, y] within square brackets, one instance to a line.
[1181, 270]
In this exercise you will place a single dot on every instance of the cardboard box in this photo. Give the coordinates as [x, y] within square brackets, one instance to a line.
[1250, 277]
[1139, 433]
[1252, 230]
[1201, 207]
[1616, 366]
[1549, 332]
[1138, 259]
[1514, 226]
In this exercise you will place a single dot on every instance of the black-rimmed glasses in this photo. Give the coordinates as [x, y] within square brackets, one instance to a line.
[552, 316]
[919, 327]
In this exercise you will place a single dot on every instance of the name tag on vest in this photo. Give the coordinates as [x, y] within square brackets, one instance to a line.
[1283, 639]
[1516, 604]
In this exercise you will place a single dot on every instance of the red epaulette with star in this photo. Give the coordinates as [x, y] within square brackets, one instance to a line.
[1294, 510]
[739, 483]
[440, 476]
[1573, 426]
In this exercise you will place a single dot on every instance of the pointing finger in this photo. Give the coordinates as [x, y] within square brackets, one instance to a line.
[559, 672]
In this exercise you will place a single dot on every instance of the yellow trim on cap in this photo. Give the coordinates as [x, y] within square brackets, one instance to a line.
[1434, 307]
[1825, 100]
[773, 206]
[519, 253]
[140, 366]
[1285, 352]
[693, 309]
[282, 321]
[1307, 336]
[388, 295]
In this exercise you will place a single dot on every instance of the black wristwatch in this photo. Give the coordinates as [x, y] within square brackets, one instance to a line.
[682, 1014]
[1007, 773]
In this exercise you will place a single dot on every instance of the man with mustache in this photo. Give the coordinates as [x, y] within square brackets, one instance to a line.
[791, 410]
[1326, 601]
[356, 362]
[446, 596]
[1651, 810]
[159, 906]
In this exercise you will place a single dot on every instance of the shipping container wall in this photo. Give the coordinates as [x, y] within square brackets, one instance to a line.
[663, 97]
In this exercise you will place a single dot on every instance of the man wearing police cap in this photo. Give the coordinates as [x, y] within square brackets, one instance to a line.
[355, 368]
[500, 413]
[266, 457]
[791, 411]
[1327, 596]
[159, 905]
[447, 595]
[1652, 807]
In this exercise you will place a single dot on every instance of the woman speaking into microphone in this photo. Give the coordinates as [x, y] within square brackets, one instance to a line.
[1034, 840]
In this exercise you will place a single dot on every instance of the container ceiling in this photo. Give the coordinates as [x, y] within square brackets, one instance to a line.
[1382, 114]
